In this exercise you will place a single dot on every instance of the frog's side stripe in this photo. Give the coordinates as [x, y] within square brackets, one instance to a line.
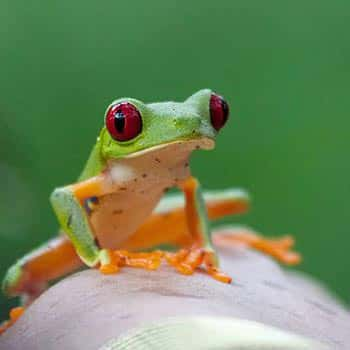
[207, 333]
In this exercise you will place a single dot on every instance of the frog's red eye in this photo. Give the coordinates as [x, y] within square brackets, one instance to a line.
[219, 111]
[123, 121]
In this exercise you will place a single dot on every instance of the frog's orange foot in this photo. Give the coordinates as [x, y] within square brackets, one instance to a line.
[279, 248]
[15, 314]
[122, 258]
[186, 261]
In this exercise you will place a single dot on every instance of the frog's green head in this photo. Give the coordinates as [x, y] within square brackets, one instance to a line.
[132, 126]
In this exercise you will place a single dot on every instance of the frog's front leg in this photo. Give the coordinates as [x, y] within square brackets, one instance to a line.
[68, 203]
[201, 251]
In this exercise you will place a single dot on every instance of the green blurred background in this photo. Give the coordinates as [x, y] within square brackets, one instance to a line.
[284, 66]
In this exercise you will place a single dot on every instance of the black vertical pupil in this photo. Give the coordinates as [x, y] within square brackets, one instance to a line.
[119, 121]
[224, 107]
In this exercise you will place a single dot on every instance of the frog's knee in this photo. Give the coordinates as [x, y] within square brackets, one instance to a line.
[13, 280]
[59, 196]
[61, 200]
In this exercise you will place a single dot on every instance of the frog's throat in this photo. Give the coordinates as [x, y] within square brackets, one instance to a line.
[198, 143]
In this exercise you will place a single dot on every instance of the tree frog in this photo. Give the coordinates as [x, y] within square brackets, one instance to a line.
[117, 210]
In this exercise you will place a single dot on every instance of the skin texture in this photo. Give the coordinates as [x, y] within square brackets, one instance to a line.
[87, 311]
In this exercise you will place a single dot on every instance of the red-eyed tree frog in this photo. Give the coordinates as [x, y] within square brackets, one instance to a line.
[117, 210]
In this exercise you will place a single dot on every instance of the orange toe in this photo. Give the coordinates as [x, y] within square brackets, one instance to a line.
[15, 314]
[109, 269]
[148, 264]
[186, 261]
[219, 275]
[145, 260]
[4, 326]
[279, 248]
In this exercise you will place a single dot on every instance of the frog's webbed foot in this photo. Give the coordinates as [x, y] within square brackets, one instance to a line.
[15, 314]
[113, 260]
[187, 260]
[278, 248]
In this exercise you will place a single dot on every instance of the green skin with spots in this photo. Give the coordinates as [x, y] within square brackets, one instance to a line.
[162, 123]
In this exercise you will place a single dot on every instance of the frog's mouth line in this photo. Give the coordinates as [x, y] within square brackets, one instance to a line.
[204, 143]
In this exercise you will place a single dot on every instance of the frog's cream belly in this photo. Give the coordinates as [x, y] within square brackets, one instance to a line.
[137, 184]
[119, 215]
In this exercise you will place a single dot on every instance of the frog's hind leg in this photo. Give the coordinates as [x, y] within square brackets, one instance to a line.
[278, 248]
[168, 224]
[29, 276]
